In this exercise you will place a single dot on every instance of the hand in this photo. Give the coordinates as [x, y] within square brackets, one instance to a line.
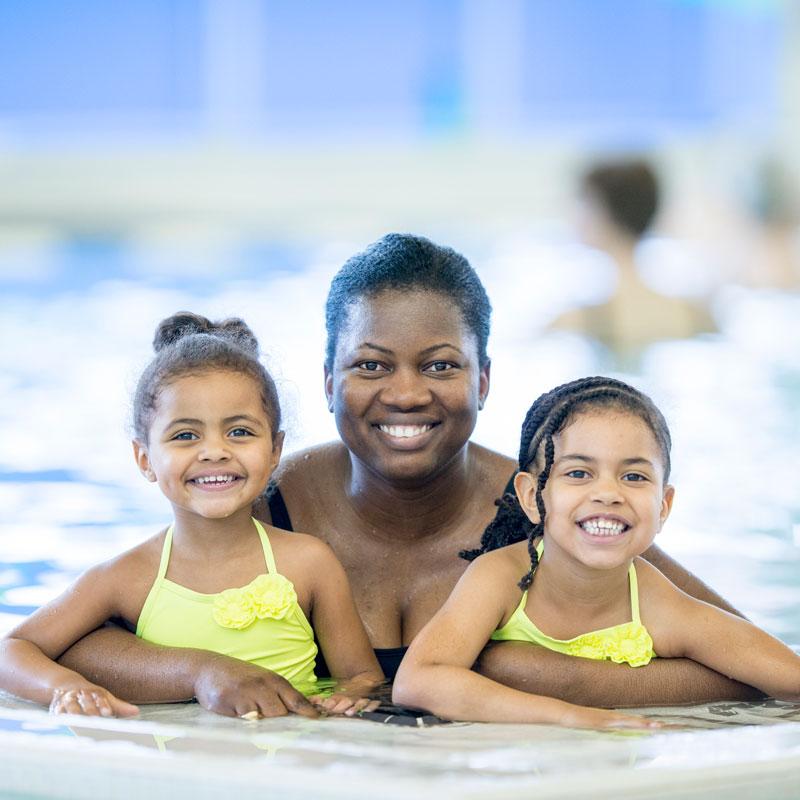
[343, 704]
[90, 700]
[237, 689]
[600, 719]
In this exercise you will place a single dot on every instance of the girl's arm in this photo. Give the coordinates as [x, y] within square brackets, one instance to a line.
[436, 672]
[341, 633]
[687, 627]
[27, 653]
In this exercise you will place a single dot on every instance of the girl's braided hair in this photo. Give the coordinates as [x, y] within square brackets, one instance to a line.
[546, 418]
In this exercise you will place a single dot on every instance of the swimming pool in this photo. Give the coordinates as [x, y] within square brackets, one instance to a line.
[77, 329]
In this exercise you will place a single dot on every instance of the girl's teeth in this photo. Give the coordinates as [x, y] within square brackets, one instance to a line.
[603, 527]
[405, 431]
[215, 479]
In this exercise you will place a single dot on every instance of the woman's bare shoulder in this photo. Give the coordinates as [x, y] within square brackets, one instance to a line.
[492, 465]
[307, 465]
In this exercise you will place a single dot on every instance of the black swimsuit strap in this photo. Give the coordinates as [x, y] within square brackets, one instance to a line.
[278, 512]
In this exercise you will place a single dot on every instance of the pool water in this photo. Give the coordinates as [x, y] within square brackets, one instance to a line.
[70, 495]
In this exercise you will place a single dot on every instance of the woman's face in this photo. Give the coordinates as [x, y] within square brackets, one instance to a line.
[406, 385]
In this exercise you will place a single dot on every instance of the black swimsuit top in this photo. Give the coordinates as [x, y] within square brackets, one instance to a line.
[388, 657]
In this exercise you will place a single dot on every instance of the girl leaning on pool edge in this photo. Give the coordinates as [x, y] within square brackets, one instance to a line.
[399, 497]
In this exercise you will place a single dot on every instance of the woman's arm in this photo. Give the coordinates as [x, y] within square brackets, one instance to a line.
[436, 672]
[151, 673]
[663, 682]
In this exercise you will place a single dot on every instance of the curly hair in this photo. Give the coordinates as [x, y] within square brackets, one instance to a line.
[190, 344]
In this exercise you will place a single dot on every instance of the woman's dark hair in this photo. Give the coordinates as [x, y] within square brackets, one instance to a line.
[628, 190]
[408, 263]
[546, 418]
[189, 344]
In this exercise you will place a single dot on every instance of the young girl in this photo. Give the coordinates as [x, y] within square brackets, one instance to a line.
[207, 430]
[594, 464]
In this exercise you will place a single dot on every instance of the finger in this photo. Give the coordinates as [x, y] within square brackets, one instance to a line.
[294, 702]
[364, 704]
[87, 703]
[70, 704]
[344, 704]
[632, 722]
[118, 708]
[267, 705]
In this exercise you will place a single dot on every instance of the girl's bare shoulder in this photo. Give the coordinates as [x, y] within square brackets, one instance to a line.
[299, 549]
[139, 563]
[511, 561]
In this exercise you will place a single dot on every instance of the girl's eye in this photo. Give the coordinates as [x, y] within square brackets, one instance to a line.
[440, 366]
[579, 474]
[184, 436]
[634, 477]
[239, 432]
[370, 366]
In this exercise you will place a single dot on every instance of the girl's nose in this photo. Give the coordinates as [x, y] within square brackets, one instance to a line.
[215, 448]
[406, 390]
[606, 491]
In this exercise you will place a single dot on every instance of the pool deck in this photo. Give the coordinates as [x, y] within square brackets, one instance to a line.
[731, 750]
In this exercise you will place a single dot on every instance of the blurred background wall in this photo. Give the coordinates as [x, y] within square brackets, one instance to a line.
[351, 117]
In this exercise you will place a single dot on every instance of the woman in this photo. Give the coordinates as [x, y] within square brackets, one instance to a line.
[406, 372]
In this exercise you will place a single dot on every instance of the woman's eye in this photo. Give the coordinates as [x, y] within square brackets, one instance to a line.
[240, 432]
[184, 436]
[439, 366]
[370, 366]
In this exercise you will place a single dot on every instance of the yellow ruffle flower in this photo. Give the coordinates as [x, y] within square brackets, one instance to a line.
[267, 596]
[627, 644]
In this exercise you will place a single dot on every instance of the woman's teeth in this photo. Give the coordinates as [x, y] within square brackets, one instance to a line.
[405, 431]
[603, 527]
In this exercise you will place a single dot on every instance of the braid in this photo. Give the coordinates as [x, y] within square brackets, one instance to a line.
[545, 419]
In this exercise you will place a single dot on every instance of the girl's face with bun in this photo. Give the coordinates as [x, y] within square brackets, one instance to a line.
[210, 446]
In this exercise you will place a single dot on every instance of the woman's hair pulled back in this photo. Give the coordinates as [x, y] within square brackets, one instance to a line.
[189, 344]
[401, 261]
[546, 418]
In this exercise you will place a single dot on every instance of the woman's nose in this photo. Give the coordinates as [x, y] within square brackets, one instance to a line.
[405, 389]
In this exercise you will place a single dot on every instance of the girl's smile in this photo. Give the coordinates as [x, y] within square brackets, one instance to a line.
[211, 448]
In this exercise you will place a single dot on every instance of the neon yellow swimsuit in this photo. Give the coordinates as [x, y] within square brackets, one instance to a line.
[261, 623]
[627, 643]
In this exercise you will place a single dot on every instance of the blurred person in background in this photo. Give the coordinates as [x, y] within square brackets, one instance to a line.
[771, 256]
[618, 203]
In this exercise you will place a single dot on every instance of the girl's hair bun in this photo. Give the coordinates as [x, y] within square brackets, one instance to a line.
[185, 323]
